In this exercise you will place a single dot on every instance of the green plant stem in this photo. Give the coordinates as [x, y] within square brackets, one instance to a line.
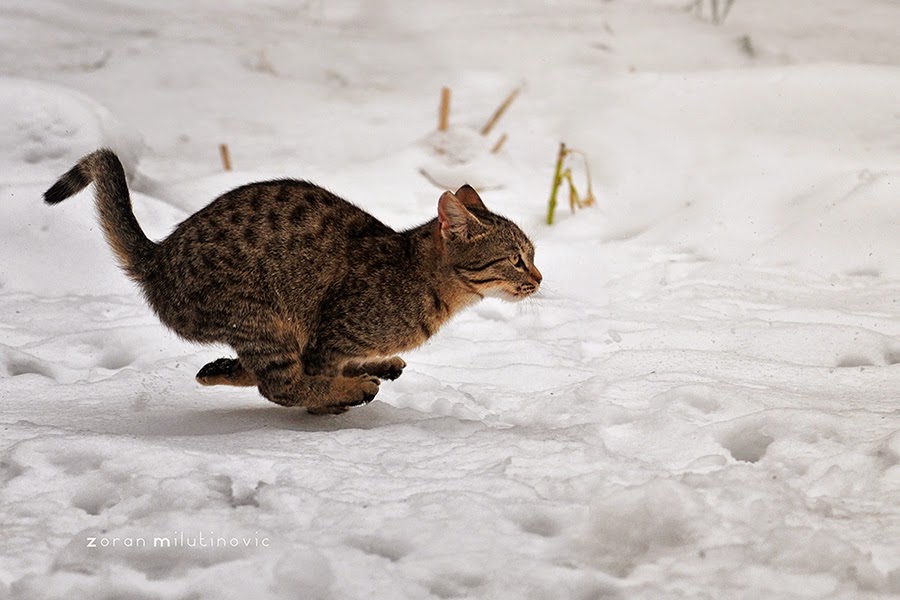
[557, 179]
[574, 198]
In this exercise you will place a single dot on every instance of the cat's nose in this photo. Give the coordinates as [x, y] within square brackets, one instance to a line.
[535, 274]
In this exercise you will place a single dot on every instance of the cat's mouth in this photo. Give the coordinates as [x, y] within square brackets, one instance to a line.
[525, 294]
[516, 296]
[527, 290]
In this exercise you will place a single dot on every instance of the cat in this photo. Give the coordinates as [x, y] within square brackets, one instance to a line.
[315, 296]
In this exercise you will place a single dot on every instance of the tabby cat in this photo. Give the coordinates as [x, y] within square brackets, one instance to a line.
[313, 294]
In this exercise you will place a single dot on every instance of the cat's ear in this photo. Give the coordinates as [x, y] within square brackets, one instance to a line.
[469, 197]
[455, 218]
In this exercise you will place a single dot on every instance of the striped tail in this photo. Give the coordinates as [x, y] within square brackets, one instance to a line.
[103, 168]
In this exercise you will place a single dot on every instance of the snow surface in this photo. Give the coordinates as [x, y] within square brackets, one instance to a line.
[703, 403]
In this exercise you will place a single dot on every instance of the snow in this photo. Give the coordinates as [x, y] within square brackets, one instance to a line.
[702, 403]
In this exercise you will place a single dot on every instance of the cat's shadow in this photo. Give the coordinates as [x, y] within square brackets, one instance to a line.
[224, 421]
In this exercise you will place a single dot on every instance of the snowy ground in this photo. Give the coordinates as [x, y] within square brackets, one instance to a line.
[702, 404]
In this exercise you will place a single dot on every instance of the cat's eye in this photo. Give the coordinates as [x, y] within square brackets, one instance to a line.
[518, 262]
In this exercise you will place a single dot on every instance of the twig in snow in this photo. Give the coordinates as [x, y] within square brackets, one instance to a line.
[499, 144]
[499, 112]
[444, 111]
[226, 156]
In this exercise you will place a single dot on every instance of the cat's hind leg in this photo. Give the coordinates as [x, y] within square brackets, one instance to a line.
[387, 368]
[320, 395]
[226, 371]
[281, 378]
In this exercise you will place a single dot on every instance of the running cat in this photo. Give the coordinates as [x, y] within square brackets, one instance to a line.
[315, 295]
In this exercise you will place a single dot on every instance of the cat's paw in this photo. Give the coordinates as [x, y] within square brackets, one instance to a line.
[393, 368]
[348, 392]
[365, 389]
[225, 371]
[220, 367]
[388, 368]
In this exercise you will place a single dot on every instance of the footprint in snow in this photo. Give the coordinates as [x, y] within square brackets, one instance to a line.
[748, 442]
[14, 363]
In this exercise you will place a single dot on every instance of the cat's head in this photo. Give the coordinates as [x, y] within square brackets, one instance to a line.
[488, 252]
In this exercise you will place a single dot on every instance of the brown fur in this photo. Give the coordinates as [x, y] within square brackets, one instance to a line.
[314, 294]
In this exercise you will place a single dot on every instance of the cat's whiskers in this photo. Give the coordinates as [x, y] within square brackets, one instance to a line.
[529, 306]
[537, 300]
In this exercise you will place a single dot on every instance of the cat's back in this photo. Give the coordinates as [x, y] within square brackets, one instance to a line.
[271, 216]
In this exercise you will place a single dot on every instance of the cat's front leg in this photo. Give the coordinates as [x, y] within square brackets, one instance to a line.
[345, 393]
[387, 368]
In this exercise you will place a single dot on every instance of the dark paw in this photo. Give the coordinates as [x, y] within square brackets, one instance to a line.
[226, 371]
[222, 367]
[392, 373]
[393, 368]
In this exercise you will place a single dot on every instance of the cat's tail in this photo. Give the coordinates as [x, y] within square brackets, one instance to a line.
[103, 168]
